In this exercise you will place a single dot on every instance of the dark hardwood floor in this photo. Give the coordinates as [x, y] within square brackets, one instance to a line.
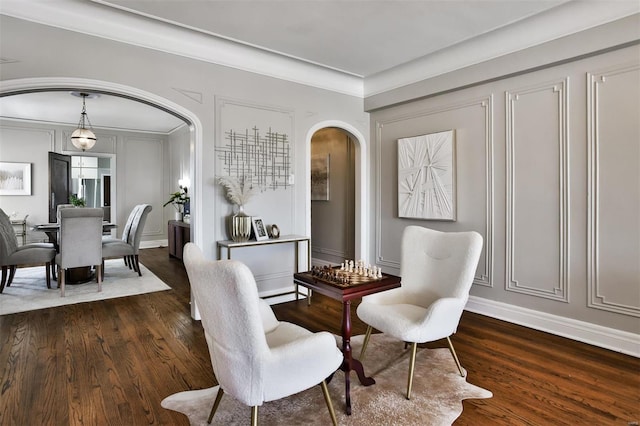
[112, 362]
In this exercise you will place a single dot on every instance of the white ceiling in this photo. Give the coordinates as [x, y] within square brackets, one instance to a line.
[360, 47]
[105, 111]
[359, 37]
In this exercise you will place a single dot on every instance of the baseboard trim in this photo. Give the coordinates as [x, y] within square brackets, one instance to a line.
[593, 334]
[153, 244]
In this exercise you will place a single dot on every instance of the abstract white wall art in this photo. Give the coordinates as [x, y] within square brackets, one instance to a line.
[15, 178]
[426, 177]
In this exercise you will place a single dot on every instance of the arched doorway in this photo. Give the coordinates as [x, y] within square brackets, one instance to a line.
[359, 193]
[21, 86]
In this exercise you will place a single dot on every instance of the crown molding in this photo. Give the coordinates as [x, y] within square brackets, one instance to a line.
[98, 20]
[566, 19]
[113, 24]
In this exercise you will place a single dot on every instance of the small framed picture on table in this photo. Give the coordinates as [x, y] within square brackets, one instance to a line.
[259, 230]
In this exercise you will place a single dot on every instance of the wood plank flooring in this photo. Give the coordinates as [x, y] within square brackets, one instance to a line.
[112, 362]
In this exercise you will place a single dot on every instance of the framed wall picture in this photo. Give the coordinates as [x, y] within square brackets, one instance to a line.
[320, 177]
[427, 177]
[259, 229]
[15, 178]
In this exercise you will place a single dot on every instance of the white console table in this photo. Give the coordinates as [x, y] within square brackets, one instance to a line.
[296, 240]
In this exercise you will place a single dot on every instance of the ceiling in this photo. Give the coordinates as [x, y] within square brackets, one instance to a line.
[104, 111]
[363, 40]
[358, 37]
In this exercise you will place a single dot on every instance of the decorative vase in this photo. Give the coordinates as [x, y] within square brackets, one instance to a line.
[240, 225]
[179, 215]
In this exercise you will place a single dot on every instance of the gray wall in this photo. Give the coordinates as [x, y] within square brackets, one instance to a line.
[548, 172]
[210, 93]
[139, 161]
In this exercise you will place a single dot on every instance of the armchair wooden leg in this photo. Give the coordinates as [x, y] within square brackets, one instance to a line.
[47, 268]
[254, 415]
[455, 357]
[327, 399]
[12, 273]
[61, 278]
[137, 265]
[3, 279]
[366, 342]
[53, 271]
[412, 364]
[215, 404]
[99, 277]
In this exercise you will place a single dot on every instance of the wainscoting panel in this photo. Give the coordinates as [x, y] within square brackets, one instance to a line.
[613, 272]
[537, 246]
[143, 174]
[472, 120]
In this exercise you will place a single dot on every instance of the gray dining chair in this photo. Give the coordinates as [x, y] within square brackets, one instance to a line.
[80, 242]
[12, 255]
[128, 246]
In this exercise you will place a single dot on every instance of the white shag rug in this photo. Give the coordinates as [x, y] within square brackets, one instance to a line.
[436, 397]
[29, 290]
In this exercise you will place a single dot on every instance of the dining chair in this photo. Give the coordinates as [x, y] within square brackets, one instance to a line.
[80, 242]
[12, 255]
[255, 357]
[128, 246]
[437, 271]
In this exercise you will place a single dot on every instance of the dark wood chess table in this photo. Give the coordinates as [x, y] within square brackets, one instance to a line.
[360, 286]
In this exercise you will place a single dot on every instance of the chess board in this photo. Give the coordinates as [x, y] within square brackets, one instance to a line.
[341, 278]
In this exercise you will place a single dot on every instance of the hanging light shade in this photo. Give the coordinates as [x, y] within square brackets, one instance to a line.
[83, 138]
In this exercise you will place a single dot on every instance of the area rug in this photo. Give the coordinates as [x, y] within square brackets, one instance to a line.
[29, 289]
[436, 396]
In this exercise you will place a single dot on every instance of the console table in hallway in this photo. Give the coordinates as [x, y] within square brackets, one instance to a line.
[296, 240]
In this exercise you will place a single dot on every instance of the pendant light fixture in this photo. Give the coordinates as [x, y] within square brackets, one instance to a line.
[83, 138]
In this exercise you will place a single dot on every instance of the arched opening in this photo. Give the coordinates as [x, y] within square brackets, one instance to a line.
[23, 86]
[355, 149]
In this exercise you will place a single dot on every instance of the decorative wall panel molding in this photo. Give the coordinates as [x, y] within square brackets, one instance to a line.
[537, 196]
[613, 217]
[143, 161]
[484, 273]
[332, 252]
[235, 116]
[194, 96]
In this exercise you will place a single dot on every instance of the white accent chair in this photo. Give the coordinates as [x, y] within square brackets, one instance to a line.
[128, 246]
[12, 255]
[437, 270]
[255, 357]
[80, 242]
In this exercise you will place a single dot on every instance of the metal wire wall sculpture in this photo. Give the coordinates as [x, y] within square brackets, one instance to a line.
[263, 160]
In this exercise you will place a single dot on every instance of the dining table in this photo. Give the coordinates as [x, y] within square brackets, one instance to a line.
[74, 275]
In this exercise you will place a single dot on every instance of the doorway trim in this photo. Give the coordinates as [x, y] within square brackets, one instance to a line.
[361, 243]
[28, 85]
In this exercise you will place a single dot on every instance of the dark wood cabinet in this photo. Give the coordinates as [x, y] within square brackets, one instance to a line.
[179, 234]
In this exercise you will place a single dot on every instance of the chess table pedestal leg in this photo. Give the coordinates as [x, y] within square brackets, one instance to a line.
[349, 362]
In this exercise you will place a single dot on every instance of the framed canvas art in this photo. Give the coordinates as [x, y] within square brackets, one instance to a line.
[427, 177]
[320, 177]
[15, 178]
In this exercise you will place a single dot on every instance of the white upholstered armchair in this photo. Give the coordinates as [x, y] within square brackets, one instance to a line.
[255, 357]
[437, 270]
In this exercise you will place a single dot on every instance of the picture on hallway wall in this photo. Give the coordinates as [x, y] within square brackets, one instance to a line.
[15, 178]
[427, 177]
[320, 177]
